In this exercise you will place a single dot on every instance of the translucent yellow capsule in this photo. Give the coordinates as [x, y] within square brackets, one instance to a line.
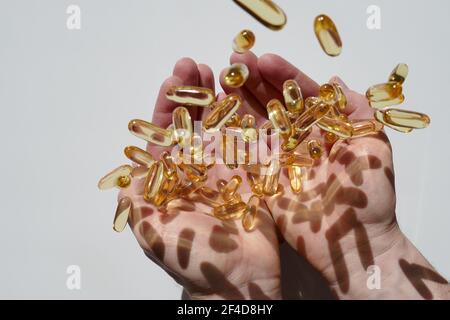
[384, 92]
[297, 137]
[399, 73]
[230, 211]
[329, 94]
[312, 116]
[315, 149]
[157, 186]
[194, 172]
[278, 117]
[387, 103]
[249, 220]
[295, 175]
[341, 98]
[265, 11]
[365, 127]
[235, 121]
[169, 166]
[182, 125]
[123, 210]
[222, 113]
[119, 177]
[311, 102]
[248, 126]
[341, 128]
[236, 75]
[151, 133]
[139, 156]
[229, 190]
[191, 96]
[256, 183]
[379, 116]
[328, 36]
[243, 41]
[330, 137]
[270, 186]
[294, 159]
[405, 118]
[187, 188]
[293, 97]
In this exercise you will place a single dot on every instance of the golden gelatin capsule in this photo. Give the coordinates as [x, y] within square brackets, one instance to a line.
[182, 125]
[191, 96]
[311, 102]
[311, 116]
[169, 166]
[187, 188]
[123, 210]
[399, 73]
[341, 128]
[249, 221]
[379, 116]
[278, 117]
[236, 75]
[194, 172]
[119, 177]
[235, 121]
[384, 92]
[293, 97]
[341, 98]
[256, 183]
[222, 113]
[243, 41]
[405, 118]
[363, 128]
[265, 11]
[315, 149]
[154, 181]
[139, 156]
[248, 126]
[295, 175]
[297, 137]
[230, 211]
[387, 103]
[229, 190]
[330, 137]
[294, 159]
[329, 94]
[151, 133]
[270, 186]
[328, 36]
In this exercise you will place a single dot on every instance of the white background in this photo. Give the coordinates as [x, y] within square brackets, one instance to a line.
[66, 98]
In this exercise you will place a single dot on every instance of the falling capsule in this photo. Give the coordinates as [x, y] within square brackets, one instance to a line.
[182, 125]
[119, 177]
[249, 221]
[248, 126]
[278, 117]
[243, 41]
[363, 128]
[157, 187]
[191, 96]
[399, 73]
[265, 11]
[385, 92]
[230, 211]
[123, 210]
[222, 113]
[387, 103]
[328, 36]
[270, 186]
[311, 116]
[139, 156]
[341, 128]
[293, 97]
[236, 75]
[329, 94]
[297, 137]
[151, 133]
[295, 175]
[315, 149]
[229, 190]
[405, 118]
[379, 116]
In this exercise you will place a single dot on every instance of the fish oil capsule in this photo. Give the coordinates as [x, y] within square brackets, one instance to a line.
[191, 96]
[297, 137]
[278, 117]
[405, 118]
[151, 133]
[194, 172]
[311, 116]
[379, 116]
[265, 11]
[341, 98]
[222, 113]
[139, 156]
[229, 190]
[248, 126]
[294, 159]
[270, 186]
[341, 128]
[384, 92]
[123, 210]
[243, 41]
[399, 73]
[295, 175]
[388, 103]
[169, 166]
[182, 125]
[256, 184]
[235, 121]
[187, 188]
[328, 36]
[230, 211]
[236, 75]
[329, 94]
[293, 97]
[365, 127]
[315, 149]
[119, 177]
[311, 102]
[249, 220]
[330, 137]
[154, 181]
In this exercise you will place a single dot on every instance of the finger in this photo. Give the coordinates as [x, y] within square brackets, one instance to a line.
[276, 71]
[207, 81]
[186, 69]
[162, 115]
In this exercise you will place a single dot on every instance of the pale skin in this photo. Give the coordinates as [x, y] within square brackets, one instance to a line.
[343, 222]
